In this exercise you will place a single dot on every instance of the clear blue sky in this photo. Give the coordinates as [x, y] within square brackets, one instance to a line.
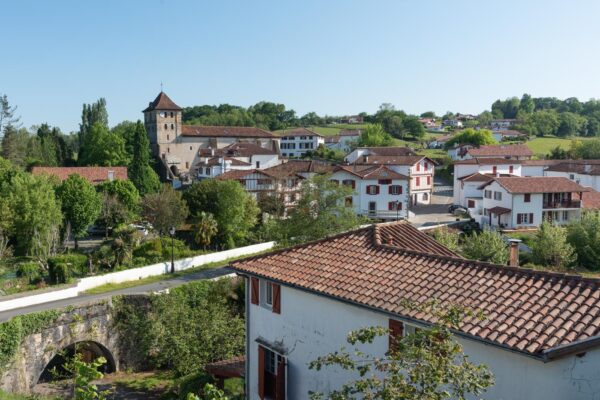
[332, 57]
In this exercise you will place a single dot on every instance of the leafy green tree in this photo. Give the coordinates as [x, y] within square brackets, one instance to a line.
[126, 130]
[8, 115]
[164, 209]
[34, 211]
[486, 246]
[550, 247]
[233, 208]
[141, 174]
[584, 237]
[526, 105]
[324, 153]
[81, 204]
[124, 191]
[446, 237]
[320, 211]
[485, 119]
[558, 153]
[103, 148]
[428, 114]
[413, 127]
[588, 151]
[570, 124]
[92, 114]
[82, 374]
[427, 364]
[14, 145]
[113, 213]
[473, 137]
[541, 123]
[205, 229]
[374, 136]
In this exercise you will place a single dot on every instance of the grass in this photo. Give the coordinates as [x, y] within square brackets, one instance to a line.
[543, 145]
[158, 380]
[329, 130]
[14, 396]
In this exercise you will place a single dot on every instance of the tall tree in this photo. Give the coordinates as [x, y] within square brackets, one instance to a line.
[541, 123]
[550, 247]
[584, 236]
[141, 174]
[8, 115]
[526, 105]
[80, 204]
[374, 135]
[473, 137]
[413, 127]
[103, 148]
[486, 246]
[91, 115]
[165, 209]
[14, 145]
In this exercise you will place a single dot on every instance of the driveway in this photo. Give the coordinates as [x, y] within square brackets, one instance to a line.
[436, 212]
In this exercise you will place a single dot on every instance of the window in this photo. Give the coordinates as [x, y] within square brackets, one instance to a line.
[487, 194]
[349, 182]
[187, 165]
[190, 147]
[271, 374]
[166, 126]
[396, 333]
[418, 167]
[572, 177]
[168, 150]
[171, 114]
[258, 164]
[172, 126]
[207, 170]
[263, 181]
[269, 294]
[470, 203]
[485, 212]
[394, 206]
[565, 215]
[111, 175]
[373, 189]
[395, 190]
[527, 197]
[428, 180]
[372, 208]
[523, 218]
[510, 169]
[167, 137]
[384, 181]
[348, 201]
[497, 195]
[426, 166]
[494, 170]
[417, 181]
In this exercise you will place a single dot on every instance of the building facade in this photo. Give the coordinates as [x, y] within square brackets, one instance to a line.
[297, 142]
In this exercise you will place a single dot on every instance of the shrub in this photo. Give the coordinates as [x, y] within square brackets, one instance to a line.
[30, 270]
[77, 262]
[486, 246]
[158, 249]
[60, 273]
[192, 384]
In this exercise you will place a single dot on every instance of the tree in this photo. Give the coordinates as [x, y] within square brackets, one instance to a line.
[205, 228]
[589, 151]
[541, 123]
[570, 124]
[34, 210]
[526, 105]
[92, 114]
[233, 208]
[485, 119]
[426, 364]
[82, 374]
[320, 211]
[550, 247]
[486, 246]
[126, 130]
[374, 136]
[113, 213]
[141, 174]
[473, 137]
[81, 204]
[584, 237]
[446, 237]
[124, 191]
[8, 115]
[413, 127]
[103, 148]
[428, 114]
[165, 209]
[14, 145]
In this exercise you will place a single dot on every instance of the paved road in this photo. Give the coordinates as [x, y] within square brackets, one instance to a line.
[436, 212]
[149, 288]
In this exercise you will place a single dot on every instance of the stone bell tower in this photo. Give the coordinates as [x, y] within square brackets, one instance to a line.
[162, 119]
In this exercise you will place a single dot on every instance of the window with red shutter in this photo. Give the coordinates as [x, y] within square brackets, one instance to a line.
[494, 170]
[396, 332]
[376, 189]
[254, 290]
[418, 167]
[373, 189]
[429, 180]
[417, 181]
[510, 169]
[349, 182]
[395, 190]
[391, 206]
[426, 165]
[261, 372]
[276, 298]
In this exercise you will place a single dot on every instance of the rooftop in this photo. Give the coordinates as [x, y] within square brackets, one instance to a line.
[162, 102]
[538, 184]
[539, 313]
[94, 175]
[300, 132]
[502, 150]
[372, 172]
[225, 131]
[389, 151]
[238, 149]
[389, 160]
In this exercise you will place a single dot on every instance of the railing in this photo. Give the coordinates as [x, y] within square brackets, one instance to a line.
[385, 214]
[562, 204]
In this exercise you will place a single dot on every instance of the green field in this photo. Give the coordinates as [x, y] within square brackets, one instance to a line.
[330, 130]
[543, 145]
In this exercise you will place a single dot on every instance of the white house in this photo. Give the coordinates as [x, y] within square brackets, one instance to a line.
[500, 135]
[525, 202]
[237, 156]
[511, 151]
[472, 169]
[379, 192]
[539, 335]
[584, 172]
[344, 141]
[391, 151]
[502, 124]
[439, 142]
[452, 123]
[296, 142]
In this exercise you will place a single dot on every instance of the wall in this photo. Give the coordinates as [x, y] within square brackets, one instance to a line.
[310, 326]
[129, 275]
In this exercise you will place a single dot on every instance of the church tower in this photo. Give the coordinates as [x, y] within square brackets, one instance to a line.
[162, 119]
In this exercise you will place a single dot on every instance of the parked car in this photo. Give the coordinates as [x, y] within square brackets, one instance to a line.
[140, 228]
[456, 208]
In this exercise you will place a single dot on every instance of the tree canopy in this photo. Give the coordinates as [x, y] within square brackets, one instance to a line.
[473, 137]
[374, 136]
[101, 147]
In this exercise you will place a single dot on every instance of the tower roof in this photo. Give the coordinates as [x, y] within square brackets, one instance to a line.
[162, 102]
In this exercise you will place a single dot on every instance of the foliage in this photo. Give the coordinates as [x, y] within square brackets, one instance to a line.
[232, 207]
[588, 150]
[571, 124]
[550, 247]
[184, 329]
[141, 174]
[473, 137]
[83, 373]
[80, 203]
[124, 190]
[205, 228]
[541, 123]
[159, 249]
[101, 147]
[14, 145]
[92, 114]
[320, 212]
[8, 115]
[164, 209]
[13, 331]
[584, 236]
[446, 237]
[426, 364]
[486, 246]
[412, 126]
[374, 136]
[30, 270]
[192, 383]
[324, 153]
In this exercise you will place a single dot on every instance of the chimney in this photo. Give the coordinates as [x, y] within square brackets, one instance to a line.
[513, 248]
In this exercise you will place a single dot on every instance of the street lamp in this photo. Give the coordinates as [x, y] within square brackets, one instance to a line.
[172, 233]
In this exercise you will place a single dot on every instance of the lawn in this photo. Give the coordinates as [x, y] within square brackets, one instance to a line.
[329, 130]
[543, 145]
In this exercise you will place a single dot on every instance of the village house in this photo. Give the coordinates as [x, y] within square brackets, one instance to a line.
[178, 146]
[94, 175]
[296, 142]
[419, 169]
[584, 172]
[237, 156]
[439, 142]
[452, 123]
[379, 192]
[525, 202]
[352, 119]
[510, 151]
[502, 124]
[344, 141]
[504, 135]
[539, 334]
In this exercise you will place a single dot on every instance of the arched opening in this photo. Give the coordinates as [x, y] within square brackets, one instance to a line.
[175, 170]
[89, 351]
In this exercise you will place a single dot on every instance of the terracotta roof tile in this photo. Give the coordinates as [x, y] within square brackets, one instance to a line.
[225, 131]
[162, 102]
[300, 132]
[519, 312]
[94, 175]
[372, 172]
[538, 184]
[502, 150]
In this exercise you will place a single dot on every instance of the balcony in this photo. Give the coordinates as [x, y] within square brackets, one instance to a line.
[562, 204]
[384, 214]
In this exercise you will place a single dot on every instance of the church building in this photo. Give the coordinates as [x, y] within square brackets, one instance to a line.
[179, 146]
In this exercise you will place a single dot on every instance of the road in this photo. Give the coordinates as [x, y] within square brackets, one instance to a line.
[141, 289]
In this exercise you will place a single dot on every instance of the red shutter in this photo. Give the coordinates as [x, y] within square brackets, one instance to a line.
[276, 298]
[367, 189]
[418, 166]
[494, 170]
[261, 372]
[400, 186]
[426, 164]
[353, 184]
[390, 189]
[519, 218]
[531, 218]
[429, 180]
[399, 205]
[418, 182]
[376, 189]
[510, 169]
[280, 381]
[391, 206]
[396, 330]
[527, 198]
[254, 290]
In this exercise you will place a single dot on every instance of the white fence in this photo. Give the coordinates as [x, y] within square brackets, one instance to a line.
[23, 300]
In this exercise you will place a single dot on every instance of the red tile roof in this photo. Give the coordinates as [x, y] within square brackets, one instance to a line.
[499, 210]
[538, 184]
[300, 132]
[292, 167]
[369, 172]
[584, 167]
[591, 200]
[528, 311]
[489, 161]
[241, 173]
[389, 151]
[225, 131]
[94, 175]
[217, 161]
[162, 102]
[390, 160]
[502, 150]
[476, 177]
[238, 149]
[231, 368]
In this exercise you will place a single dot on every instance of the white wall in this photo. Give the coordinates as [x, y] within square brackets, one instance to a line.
[133, 274]
[583, 179]
[310, 326]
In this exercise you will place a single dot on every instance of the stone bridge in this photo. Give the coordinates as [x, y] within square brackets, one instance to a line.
[89, 327]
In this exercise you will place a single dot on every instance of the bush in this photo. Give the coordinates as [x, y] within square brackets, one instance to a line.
[193, 383]
[61, 273]
[77, 262]
[158, 249]
[30, 270]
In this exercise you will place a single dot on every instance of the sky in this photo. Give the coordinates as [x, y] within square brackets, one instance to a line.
[329, 56]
